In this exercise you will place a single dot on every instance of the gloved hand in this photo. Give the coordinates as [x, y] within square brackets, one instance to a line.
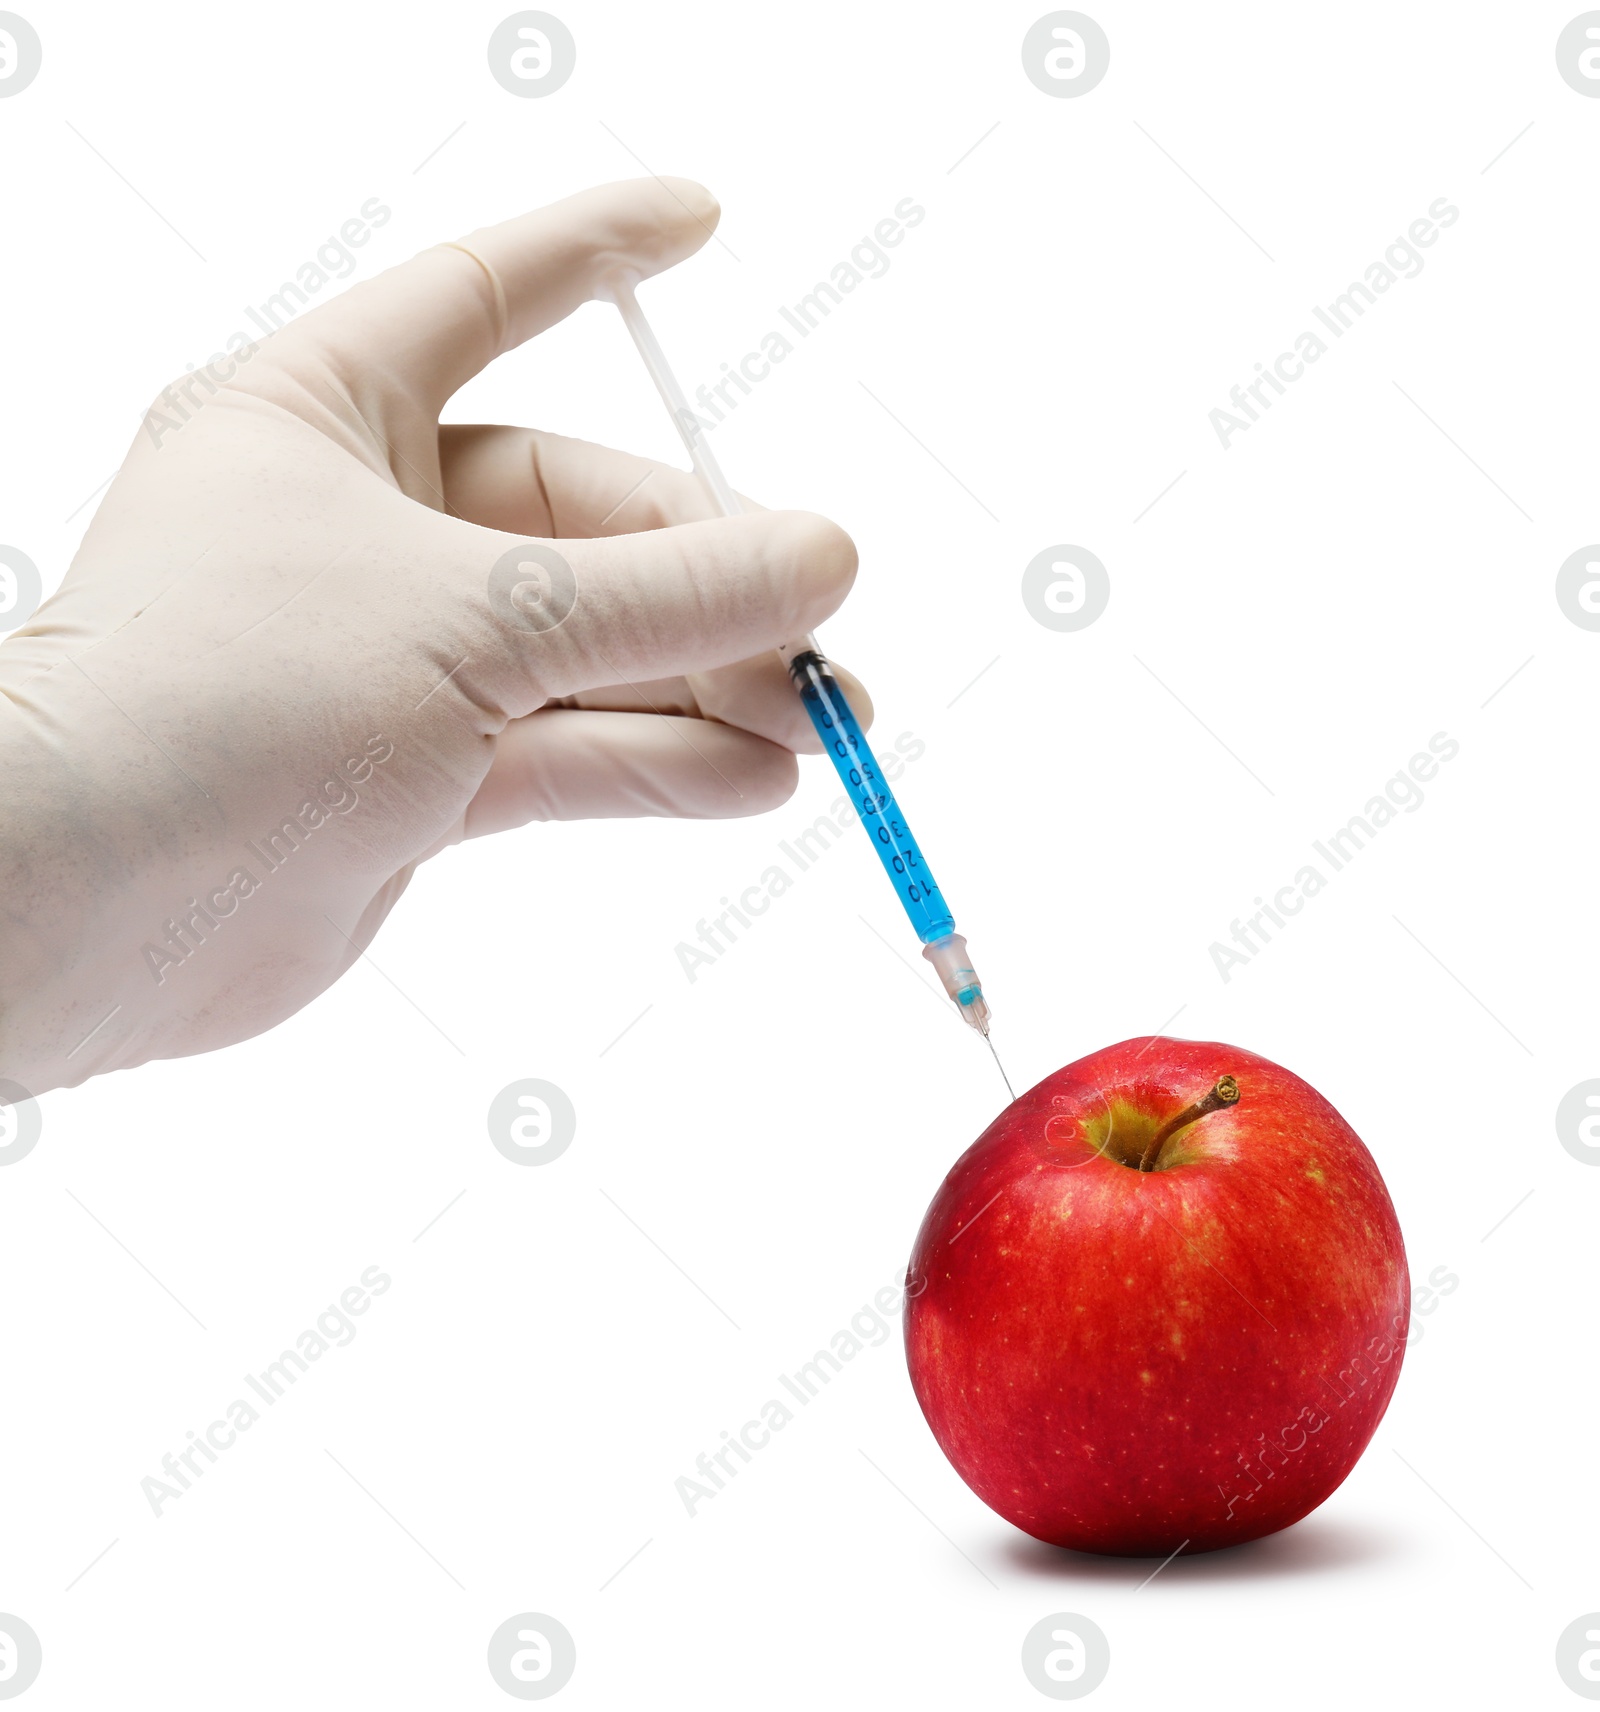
[307, 644]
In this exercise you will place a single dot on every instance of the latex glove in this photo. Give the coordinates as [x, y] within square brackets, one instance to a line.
[284, 669]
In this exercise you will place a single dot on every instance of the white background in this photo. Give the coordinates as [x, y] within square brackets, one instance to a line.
[1339, 585]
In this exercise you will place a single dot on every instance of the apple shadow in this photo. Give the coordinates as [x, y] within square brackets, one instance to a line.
[1314, 1546]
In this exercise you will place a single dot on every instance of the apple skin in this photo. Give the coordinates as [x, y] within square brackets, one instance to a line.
[1130, 1362]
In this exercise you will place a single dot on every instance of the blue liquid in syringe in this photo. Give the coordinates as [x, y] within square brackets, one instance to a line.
[853, 760]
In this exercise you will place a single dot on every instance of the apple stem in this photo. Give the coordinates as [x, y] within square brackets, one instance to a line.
[1225, 1093]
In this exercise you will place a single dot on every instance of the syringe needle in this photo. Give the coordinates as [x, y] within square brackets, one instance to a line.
[989, 1041]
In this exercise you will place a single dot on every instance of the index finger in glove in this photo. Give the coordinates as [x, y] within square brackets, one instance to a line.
[527, 480]
[529, 621]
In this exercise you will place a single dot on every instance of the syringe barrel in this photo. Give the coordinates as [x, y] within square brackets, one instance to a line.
[845, 744]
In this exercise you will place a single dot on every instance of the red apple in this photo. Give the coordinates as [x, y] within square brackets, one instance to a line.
[1143, 1316]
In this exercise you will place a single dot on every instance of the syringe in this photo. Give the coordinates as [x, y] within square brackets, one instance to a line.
[842, 737]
